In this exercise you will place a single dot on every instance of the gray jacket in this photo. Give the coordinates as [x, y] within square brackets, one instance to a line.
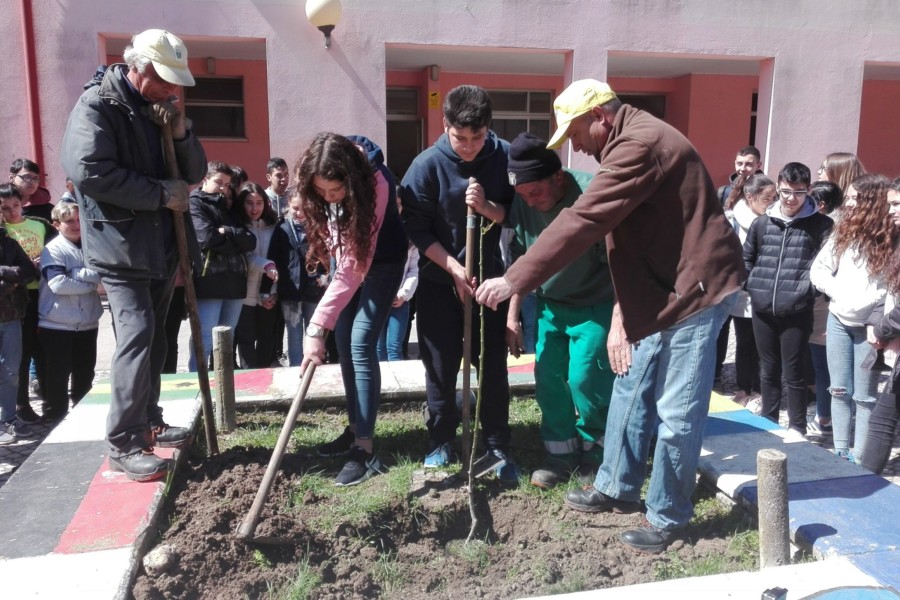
[117, 177]
[68, 299]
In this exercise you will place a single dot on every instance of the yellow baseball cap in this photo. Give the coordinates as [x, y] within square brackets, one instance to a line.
[167, 53]
[577, 99]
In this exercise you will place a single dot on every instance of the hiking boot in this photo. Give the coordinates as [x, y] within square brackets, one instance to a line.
[648, 539]
[26, 414]
[556, 469]
[338, 446]
[590, 499]
[440, 457]
[142, 465]
[19, 429]
[359, 467]
[166, 436]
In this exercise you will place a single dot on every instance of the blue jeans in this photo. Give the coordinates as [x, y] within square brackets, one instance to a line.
[296, 317]
[850, 384]
[390, 342]
[356, 333]
[665, 392]
[819, 355]
[214, 312]
[10, 357]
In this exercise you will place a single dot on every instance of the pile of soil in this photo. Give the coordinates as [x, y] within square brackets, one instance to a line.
[529, 546]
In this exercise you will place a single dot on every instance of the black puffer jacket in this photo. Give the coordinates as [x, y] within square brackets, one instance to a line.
[222, 273]
[16, 270]
[778, 255]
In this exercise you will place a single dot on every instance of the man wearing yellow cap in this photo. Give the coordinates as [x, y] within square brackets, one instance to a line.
[675, 264]
[113, 152]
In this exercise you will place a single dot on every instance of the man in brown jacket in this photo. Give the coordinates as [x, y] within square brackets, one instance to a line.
[675, 265]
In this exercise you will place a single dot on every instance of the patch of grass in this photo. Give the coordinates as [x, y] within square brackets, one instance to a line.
[262, 436]
[476, 553]
[571, 583]
[261, 560]
[300, 587]
[741, 555]
[389, 573]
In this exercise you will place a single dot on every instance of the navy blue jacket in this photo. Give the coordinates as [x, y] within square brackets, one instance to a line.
[433, 193]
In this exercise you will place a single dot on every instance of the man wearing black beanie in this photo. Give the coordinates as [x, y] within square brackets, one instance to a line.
[573, 378]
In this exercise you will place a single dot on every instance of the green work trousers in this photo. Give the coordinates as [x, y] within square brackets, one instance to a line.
[573, 378]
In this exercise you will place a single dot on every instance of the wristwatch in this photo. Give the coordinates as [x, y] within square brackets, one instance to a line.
[316, 331]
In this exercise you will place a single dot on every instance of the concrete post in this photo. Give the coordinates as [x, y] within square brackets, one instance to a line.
[774, 530]
[223, 356]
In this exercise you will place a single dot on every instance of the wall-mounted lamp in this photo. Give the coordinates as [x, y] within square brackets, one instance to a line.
[434, 72]
[324, 15]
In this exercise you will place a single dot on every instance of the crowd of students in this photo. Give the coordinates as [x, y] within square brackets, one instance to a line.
[822, 282]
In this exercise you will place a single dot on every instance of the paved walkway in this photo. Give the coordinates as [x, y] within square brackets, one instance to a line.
[64, 513]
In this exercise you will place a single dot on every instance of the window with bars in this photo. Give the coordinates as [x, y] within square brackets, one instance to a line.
[216, 106]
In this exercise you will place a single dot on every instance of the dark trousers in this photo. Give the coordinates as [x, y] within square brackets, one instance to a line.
[722, 346]
[255, 336]
[440, 327]
[138, 309]
[69, 353]
[746, 358]
[31, 349]
[177, 313]
[782, 343]
[882, 427]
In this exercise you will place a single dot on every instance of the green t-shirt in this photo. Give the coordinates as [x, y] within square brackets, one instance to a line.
[30, 234]
[586, 280]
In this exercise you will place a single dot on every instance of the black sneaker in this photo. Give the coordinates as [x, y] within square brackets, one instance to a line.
[359, 467]
[142, 465]
[166, 436]
[26, 414]
[339, 446]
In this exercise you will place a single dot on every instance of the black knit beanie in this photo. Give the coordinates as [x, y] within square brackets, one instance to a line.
[530, 160]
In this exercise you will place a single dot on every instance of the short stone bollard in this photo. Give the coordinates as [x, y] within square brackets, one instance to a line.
[774, 530]
[223, 356]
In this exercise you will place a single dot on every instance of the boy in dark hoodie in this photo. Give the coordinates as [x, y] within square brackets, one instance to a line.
[16, 270]
[467, 160]
[778, 254]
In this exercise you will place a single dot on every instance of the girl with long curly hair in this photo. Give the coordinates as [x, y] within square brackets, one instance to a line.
[851, 269]
[884, 330]
[349, 201]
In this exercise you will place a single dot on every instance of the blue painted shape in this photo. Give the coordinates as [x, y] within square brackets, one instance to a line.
[737, 421]
[855, 593]
[883, 566]
[842, 516]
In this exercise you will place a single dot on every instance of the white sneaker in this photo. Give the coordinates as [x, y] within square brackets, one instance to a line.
[754, 405]
[7, 435]
[19, 428]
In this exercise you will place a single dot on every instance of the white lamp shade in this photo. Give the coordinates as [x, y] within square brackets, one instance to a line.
[323, 12]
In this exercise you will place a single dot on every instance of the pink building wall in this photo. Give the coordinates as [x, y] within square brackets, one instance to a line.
[813, 98]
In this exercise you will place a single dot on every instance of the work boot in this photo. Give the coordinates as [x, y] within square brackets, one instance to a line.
[589, 499]
[590, 464]
[166, 436]
[556, 469]
[648, 539]
[142, 465]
